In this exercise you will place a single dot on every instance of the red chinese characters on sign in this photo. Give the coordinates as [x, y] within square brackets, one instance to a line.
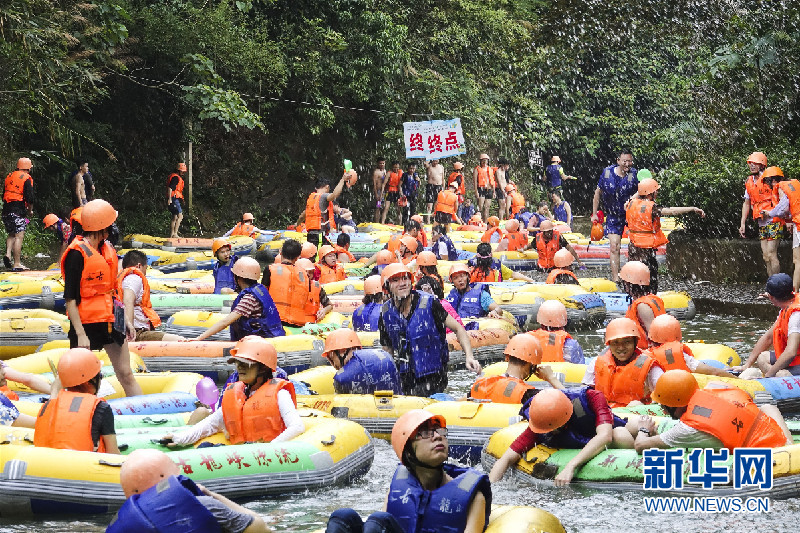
[261, 457]
[451, 142]
[285, 457]
[238, 459]
[415, 142]
[187, 468]
[210, 463]
[434, 143]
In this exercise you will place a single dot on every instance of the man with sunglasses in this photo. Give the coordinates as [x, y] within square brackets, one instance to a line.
[359, 370]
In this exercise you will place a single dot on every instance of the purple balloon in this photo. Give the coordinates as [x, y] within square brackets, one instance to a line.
[207, 391]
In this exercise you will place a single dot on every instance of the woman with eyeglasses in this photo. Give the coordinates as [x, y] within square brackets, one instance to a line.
[257, 408]
[426, 493]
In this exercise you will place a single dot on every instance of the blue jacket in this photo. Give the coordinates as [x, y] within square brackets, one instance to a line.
[443, 510]
[171, 506]
[367, 371]
[525, 217]
[560, 212]
[366, 317]
[617, 190]
[553, 173]
[452, 253]
[409, 185]
[468, 304]
[420, 347]
[269, 325]
[223, 276]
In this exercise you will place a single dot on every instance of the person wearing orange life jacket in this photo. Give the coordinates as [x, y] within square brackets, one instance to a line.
[175, 185]
[493, 232]
[625, 374]
[18, 196]
[484, 183]
[330, 269]
[562, 273]
[672, 354]
[422, 237]
[516, 200]
[257, 408]
[89, 269]
[407, 251]
[446, 210]
[75, 227]
[61, 230]
[710, 418]
[514, 240]
[319, 212]
[484, 268]
[75, 418]
[244, 228]
[635, 280]
[548, 242]
[762, 196]
[393, 193]
[133, 290]
[318, 304]
[557, 345]
[643, 217]
[342, 248]
[788, 209]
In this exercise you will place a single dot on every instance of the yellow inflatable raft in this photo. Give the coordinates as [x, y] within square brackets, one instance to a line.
[22, 336]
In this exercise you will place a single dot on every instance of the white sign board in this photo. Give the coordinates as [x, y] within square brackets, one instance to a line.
[535, 158]
[434, 139]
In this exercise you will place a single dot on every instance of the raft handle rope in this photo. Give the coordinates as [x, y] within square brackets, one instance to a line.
[329, 442]
[109, 463]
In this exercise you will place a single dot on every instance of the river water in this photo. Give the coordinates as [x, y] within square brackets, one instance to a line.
[580, 509]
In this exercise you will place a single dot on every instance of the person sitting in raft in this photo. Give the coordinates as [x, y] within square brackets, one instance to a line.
[32, 381]
[784, 335]
[442, 247]
[61, 230]
[562, 274]
[433, 286]
[307, 251]
[318, 305]
[575, 418]
[635, 281]
[244, 228]
[523, 354]
[329, 267]
[534, 222]
[289, 285]
[359, 370]
[75, 418]
[623, 373]
[557, 345]
[516, 201]
[366, 317]
[493, 233]
[485, 269]
[562, 212]
[133, 290]
[668, 350]
[471, 299]
[342, 248]
[514, 240]
[257, 408]
[223, 277]
[476, 220]
[253, 311]
[710, 418]
[407, 251]
[152, 483]
[421, 236]
[10, 415]
[427, 266]
[547, 243]
[383, 258]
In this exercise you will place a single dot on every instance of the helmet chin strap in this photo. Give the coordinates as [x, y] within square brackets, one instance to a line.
[411, 457]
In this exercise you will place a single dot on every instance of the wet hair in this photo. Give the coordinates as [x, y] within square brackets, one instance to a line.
[412, 224]
[322, 181]
[372, 298]
[396, 163]
[556, 192]
[544, 203]
[85, 386]
[133, 258]
[291, 249]
[411, 164]
[381, 159]
[635, 291]
[343, 239]
[484, 263]
[624, 151]
[502, 161]
[434, 284]
[441, 229]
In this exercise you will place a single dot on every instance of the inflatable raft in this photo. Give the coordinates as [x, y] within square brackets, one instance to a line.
[33, 294]
[240, 244]
[167, 304]
[678, 304]
[23, 335]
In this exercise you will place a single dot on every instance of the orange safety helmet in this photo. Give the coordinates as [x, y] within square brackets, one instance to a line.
[248, 217]
[563, 258]
[456, 268]
[76, 366]
[385, 257]
[493, 221]
[393, 270]
[525, 347]
[620, 328]
[305, 264]
[635, 272]
[410, 243]
[771, 172]
[675, 388]
[552, 313]
[476, 218]
[308, 250]
[372, 285]
[181, 167]
[325, 250]
[97, 215]
[648, 186]
[145, 468]
[341, 339]
[407, 425]
[49, 220]
[550, 409]
[418, 218]
[219, 243]
[597, 232]
[248, 268]
[511, 187]
[24, 163]
[458, 166]
[427, 258]
[759, 158]
[665, 328]
[512, 225]
[546, 225]
[483, 156]
[256, 349]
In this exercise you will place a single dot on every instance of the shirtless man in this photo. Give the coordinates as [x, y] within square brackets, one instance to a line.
[79, 187]
[378, 183]
[435, 173]
[500, 177]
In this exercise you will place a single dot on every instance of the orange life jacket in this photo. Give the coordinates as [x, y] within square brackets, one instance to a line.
[623, 384]
[552, 343]
[341, 250]
[329, 274]
[15, 186]
[314, 214]
[731, 416]
[499, 389]
[551, 278]
[670, 355]
[289, 287]
[98, 281]
[423, 238]
[485, 177]
[452, 177]
[66, 422]
[792, 190]
[517, 202]
[516, 240]
[643, 231]
[658, 307]
[256, 418]
[446, 202]
[147, 307]
[478, 275]
[762, 196]
[10, 394]
[394, 181]
[780, 335]
[487, 235]
[243, 229]
[177, 192]
[313, 303]
[547, 249]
